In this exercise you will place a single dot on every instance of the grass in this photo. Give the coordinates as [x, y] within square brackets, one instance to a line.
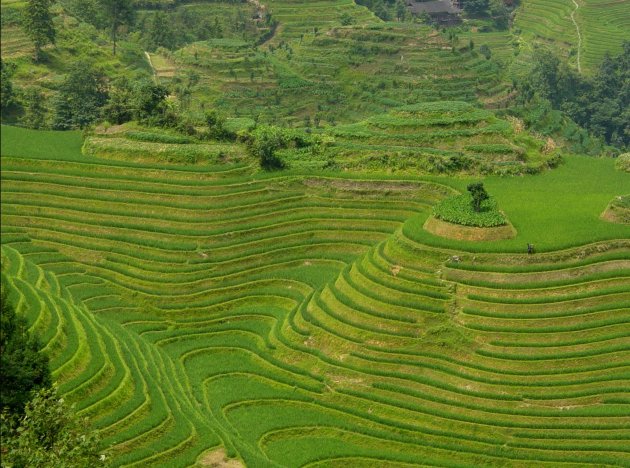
[299, 318]
[554, 210]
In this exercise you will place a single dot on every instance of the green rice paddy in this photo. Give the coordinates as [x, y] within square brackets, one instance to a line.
[305, 319]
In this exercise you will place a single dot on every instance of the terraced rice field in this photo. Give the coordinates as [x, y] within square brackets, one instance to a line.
[603, 26]
[322, 69]
[439, 137]
[292, 320]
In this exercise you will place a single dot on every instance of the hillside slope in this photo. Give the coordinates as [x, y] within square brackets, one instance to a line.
[181, 304]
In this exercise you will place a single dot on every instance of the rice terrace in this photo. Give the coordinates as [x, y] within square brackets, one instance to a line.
[327, 233]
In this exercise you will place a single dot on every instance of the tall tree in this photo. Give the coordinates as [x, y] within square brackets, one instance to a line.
[23, 369]
[118, 13]
[478, 194]
[7, 95]
[81, 97]
[476, 7]
[38, 24]
[34, 104]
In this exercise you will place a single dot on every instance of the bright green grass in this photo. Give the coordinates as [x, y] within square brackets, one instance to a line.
[553, 210]
[286, 317]
[41, 144]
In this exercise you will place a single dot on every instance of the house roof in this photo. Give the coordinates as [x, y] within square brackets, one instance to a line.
[433, 6]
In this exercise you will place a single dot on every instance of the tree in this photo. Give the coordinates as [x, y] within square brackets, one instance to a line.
[160, 32]
[81, 96]
[149, 102]
[49, 434]
[485, 51]
[117, 13]
[38, 25]
[401, 10]
[476, 7]
[263, 143]
[478, 193]
[34, 105]
[23, 368]
[117, 110]
[500, 14]
[7, 95]
[346, 19]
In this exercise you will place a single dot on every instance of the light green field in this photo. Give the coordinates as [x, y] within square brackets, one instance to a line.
[305, 320]
[603, 26]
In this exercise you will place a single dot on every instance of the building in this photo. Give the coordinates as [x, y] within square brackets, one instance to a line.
[443, 12]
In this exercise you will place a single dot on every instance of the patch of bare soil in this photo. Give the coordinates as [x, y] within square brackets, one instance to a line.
[218, 459]
[468, 233]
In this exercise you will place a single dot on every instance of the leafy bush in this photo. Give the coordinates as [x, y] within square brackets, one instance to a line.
[458, 210]
[49, 434]
[264, 141]
[623, 162]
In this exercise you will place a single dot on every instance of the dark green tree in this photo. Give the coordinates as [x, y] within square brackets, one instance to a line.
[7, 95]
[500, 14]
[50, 434]
[476, 7]
[346, 19]
[149, 102]
[34, 104]
[401, 10]
[81, 96]
[117, 13]
[264, 142]
[23, 368]
[160, 32]
[118, 109]
[478, 194]
[38, 24]
[485, 51]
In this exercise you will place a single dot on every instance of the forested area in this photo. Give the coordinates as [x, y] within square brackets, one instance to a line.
[599, 103]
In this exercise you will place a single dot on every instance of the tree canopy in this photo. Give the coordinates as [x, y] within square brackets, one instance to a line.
[117, 13]
[600, 103]
[49, 434]
[23, 368]
[81, 97]
[478, 194]
[38, 24]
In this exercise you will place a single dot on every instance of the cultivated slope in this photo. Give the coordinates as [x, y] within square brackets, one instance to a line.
[291, 320]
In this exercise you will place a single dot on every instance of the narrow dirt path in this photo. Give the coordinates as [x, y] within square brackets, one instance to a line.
[579, 46]
[148, 56]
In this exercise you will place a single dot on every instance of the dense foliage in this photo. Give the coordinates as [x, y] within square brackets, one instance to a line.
[459, 210]
[23, 368]
[386, 9]
[7, 94]
[81, 97]
[623, 162]
[478, 194]
[600, 103]
[38, 24]
[49, 434]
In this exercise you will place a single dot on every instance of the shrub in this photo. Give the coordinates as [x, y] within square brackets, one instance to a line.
[458, 210]
[623, 162]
